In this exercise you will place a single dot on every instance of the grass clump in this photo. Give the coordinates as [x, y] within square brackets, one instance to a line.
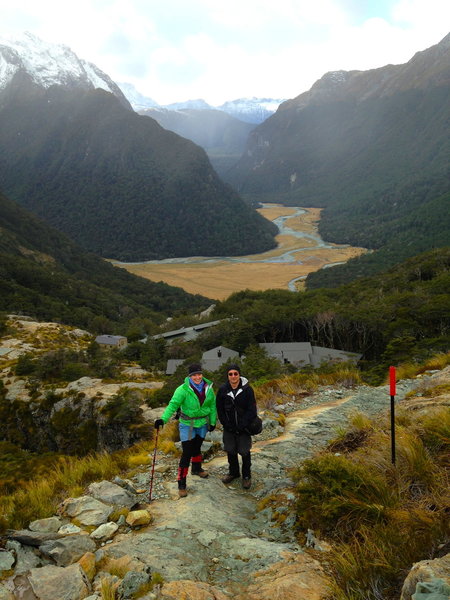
[435, 434]
[117, 567]
[108, 588]
[408, 370]
[381, 517]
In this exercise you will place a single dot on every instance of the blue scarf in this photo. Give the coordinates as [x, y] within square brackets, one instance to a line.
[197, 386]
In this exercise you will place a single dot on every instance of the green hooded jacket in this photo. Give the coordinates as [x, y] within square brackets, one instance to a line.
[192, 413]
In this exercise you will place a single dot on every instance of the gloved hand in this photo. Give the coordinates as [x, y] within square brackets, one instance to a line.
[159, 423]
[211, 427]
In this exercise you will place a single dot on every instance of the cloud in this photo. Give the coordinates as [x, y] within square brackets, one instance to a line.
[218, 50]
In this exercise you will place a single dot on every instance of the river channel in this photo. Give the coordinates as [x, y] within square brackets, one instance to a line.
[300, 250]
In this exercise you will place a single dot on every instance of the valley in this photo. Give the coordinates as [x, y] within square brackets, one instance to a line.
[300, 251]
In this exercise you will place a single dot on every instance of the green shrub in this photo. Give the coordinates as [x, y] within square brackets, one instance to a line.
[333, 493]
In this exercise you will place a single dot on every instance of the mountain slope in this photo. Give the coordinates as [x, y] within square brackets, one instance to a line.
[324, 138]
[45, 275]
[371, 147]
[222, 136]
[114, 181]
[210, 129]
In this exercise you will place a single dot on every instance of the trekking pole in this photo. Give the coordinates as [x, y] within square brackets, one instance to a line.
[153, 466]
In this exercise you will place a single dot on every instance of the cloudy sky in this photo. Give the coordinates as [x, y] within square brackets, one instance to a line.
[218, 50]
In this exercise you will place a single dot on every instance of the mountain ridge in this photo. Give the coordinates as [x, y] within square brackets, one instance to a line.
[51, 64]
[371, 148]
[115, 182]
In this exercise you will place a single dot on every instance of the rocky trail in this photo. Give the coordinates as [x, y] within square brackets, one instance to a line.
[219, 542]
[217, 535]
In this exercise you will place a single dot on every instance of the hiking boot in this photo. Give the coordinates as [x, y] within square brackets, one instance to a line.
[182, 492]
[229, 478]
[202, 473]
[246, 483]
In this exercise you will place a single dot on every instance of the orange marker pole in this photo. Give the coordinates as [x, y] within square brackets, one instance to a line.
[392, 393]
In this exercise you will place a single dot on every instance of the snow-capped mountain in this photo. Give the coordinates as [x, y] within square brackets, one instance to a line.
[198, 104]
[137, 100]
[250, 110]
[50, 64]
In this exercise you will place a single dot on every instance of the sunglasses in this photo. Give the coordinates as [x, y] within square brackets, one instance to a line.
[233, 373]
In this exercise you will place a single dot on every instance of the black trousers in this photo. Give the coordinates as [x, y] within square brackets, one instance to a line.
[235, 444]
[233, 464]
[190, 449]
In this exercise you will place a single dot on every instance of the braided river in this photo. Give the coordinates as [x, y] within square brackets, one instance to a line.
[300, 250]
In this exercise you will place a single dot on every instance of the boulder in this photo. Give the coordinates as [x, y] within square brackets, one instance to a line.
[57, 583]
[111, 493]
[22, 588]
[87, 510]
[69, 529]
[424, 571]
[127, 484]
[87, 563]
[297, 577]
[137, 518]
[7, 560]
[49, 525]
[130, 584]
[435, 589]
[105, 532]
[26, 557]
[31, 538]
[68, 550]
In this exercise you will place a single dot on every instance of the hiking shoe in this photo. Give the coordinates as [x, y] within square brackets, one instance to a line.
[182, 492]
[246, 483]
[202, 473]
[229, 478]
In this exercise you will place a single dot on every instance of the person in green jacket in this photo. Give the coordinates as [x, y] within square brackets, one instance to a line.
[196, 402]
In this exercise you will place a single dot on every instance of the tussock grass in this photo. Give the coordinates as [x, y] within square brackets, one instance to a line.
[409, 370]
[108, 588]
[305, 382]
[137, 460]
[116, 566]
[69, 476]
[381, 517]
[168, 447]
[167, 437]
[350, 438]
[336, 374]
[435, 434]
